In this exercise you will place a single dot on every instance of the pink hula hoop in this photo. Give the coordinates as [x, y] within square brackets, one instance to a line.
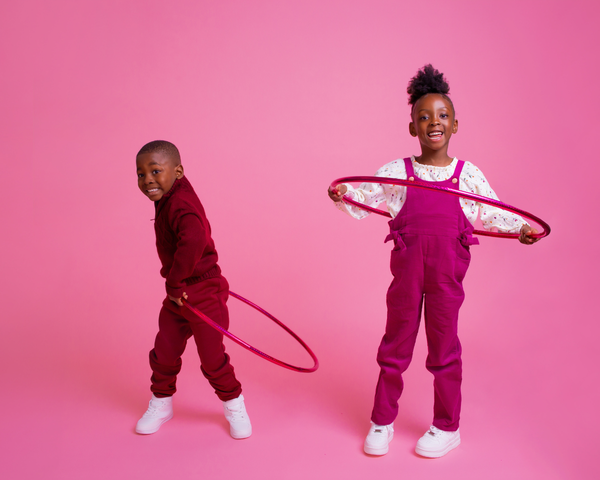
[254, 350]
[457, 193]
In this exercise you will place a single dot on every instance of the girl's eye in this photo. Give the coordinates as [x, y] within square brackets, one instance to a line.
[423, 118]
[140, 175]
[444, 115]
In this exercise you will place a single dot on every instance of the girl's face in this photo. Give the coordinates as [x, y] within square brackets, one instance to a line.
[433, 122]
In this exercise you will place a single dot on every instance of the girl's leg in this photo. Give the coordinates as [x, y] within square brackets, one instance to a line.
[443, 299]
[444, 362]
[404, 303]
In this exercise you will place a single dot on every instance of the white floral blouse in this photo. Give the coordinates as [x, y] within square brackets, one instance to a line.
[471, 180]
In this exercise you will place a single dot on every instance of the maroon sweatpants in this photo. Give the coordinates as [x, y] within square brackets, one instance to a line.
[177, 324]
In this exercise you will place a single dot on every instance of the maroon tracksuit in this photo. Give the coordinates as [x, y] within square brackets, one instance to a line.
[189, 264]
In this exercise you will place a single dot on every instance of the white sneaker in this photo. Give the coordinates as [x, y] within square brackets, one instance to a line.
[437, 443]
[160, 410]
[378, 439]
[236, 415]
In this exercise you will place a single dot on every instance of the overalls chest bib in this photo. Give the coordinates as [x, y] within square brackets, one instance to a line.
[427, 212]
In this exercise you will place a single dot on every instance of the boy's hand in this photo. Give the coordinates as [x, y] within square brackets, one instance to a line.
[178, 300]
[337, 193]
[525, 237]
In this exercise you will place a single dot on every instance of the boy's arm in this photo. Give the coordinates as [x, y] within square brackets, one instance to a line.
[178, 300]
[192, 240]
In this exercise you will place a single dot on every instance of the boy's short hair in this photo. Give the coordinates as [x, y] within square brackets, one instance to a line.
[161, 146]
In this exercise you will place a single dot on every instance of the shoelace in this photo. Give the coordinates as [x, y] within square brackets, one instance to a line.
[436, 432]
[153, 408]
[381, 430]
[237, 414]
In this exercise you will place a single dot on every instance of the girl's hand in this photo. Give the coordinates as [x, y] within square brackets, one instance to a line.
[178, 300]
[525, 237]
[337, 193]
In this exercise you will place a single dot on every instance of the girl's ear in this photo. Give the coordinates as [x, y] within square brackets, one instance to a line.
[412, 129]
[455, 126]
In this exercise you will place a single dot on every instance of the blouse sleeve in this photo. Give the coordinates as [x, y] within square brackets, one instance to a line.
[493, 217]
[372, 194]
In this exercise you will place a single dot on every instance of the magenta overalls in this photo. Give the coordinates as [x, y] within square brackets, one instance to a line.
[430, 258]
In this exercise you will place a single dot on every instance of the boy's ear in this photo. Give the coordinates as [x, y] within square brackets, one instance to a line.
[179, 171]
[412, 129]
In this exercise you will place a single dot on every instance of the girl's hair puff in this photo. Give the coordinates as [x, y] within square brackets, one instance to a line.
[427, 80]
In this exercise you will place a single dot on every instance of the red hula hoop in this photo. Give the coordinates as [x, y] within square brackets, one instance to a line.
[457, 193]
[247, 346]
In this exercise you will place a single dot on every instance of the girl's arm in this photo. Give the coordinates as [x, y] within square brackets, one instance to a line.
[525, 237]
[491, 217]
[372, 194]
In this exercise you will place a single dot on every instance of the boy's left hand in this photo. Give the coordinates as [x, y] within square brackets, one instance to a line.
[525, 237]
[178, 300]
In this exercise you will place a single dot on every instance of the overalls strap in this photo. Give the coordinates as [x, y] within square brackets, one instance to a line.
[410, 172]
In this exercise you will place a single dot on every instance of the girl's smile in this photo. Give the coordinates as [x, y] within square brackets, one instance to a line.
[433, 123]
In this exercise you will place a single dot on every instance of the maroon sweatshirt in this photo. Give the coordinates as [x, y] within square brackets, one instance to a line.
[185, 247]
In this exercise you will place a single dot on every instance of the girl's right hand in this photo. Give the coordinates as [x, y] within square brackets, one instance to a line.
[337, 193]
[525, 236]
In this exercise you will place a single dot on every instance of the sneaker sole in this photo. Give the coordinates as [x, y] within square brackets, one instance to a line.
[241, 436]
[150, 432]
[377, 451]
[438, 453]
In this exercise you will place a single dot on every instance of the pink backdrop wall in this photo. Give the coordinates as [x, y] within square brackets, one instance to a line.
[268, 102]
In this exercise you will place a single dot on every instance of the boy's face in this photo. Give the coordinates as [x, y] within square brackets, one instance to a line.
[433, 121]
[157, 173]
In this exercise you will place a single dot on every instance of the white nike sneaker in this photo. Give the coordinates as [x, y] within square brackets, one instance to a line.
[239, 422]
[378, 439]
[160, 410]
[437, 443]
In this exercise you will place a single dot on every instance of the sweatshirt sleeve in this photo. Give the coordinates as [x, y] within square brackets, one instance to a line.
[192, 239]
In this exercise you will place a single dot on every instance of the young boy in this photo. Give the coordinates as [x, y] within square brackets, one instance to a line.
[189, 265]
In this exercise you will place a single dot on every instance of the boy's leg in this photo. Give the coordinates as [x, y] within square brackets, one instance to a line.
[210, 297]
[165, 358]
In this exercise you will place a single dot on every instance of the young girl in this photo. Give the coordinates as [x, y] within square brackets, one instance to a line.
[432, 232]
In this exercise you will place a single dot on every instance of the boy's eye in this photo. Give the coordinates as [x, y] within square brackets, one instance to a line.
[140, 175]
[155, 172]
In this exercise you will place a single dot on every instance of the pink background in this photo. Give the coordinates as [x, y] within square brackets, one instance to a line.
[268, 102]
